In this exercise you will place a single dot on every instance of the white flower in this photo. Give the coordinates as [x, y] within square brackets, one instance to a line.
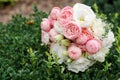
[106, 44]
[45, 37]
[58, 27]
[79, 65]
[83, 14]
[108, 40]
[98, 28]
[100, 56]
[59, 51]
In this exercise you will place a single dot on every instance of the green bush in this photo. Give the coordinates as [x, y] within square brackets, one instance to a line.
[3, 3]
[105, 6]
[22, 57]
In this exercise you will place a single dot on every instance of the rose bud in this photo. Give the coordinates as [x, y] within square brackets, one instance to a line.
[55, 13]
[74, 52]
[69, 60]
[46, 25]
[93, 46]
[65, 42]
[58, 37]
[65, 53]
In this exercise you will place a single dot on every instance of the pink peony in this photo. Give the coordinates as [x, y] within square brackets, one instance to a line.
[55, 13]
[52, 34]
[72, 30]
[74, 52]
[93, 46]
[82, 39]
[46, 25]
[88, 33]
[65, 15]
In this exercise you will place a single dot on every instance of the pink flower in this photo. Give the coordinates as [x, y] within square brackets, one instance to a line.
[65, 15]
[88, 33]
[93, 46]
[82, 39]
[85, 35]
[72, 30]
[55, 13]
[52, 21]
[82, 47]
[74, 52]
[52, 34]
[46, 25]
[45, 37]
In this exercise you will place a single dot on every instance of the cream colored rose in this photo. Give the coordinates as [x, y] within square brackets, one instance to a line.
[98, 28]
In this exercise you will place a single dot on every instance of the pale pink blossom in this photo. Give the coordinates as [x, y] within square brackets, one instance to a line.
[52, 34]
[93, 46]
[52, 21]
[46, 25]
[55, 13]
[74, 52]
[65, 15]
[72, 30]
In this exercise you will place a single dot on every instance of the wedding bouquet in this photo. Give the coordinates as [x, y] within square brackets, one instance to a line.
[76, 36]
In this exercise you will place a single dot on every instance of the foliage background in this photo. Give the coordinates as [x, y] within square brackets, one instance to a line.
[10, 2]
[22, 57]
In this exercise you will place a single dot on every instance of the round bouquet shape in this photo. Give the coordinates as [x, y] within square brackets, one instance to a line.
[76, 36]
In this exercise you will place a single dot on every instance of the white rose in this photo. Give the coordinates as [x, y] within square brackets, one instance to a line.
[59, 51]
[83, 15]
[100, 56]
[79, 65]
